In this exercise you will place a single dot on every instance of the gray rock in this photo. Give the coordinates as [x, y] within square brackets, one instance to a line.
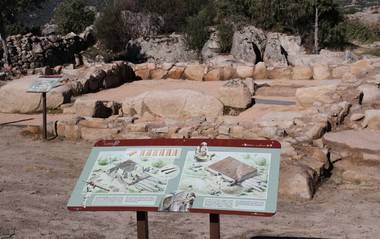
[363, 141]
[297, 181]
[173, 104]
[249, 44]
[372, 119]
[211, 47]
[275, 55]
[162, 49]
[236, 94]
[371, 93]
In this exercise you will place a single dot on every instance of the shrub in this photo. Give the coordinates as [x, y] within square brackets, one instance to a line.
[174, 12]
[225, 34]
[196, 30]
[73, 16]
[110, 30]
[357, 31]
[196, 33]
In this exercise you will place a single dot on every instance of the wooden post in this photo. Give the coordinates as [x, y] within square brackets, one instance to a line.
[44, 116]
[214, 226]
[142, 225]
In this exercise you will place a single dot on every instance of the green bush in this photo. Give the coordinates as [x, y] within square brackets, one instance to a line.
[357, 31]
[110, 30]
[174, 12]
[225, 34]
[196, 30]
[72, 16]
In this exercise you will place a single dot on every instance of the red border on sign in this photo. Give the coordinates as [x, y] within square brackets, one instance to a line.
[182, 142]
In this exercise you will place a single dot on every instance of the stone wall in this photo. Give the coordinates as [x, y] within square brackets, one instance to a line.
[225, 68]
[27, 52]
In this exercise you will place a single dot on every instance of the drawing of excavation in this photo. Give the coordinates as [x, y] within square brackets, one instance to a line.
[144, 179]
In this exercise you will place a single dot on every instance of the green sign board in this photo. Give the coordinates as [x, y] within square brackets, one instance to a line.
[210, 176]
[44, 84]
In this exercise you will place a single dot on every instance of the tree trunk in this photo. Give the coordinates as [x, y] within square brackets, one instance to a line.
[316, 47]
[5, 49]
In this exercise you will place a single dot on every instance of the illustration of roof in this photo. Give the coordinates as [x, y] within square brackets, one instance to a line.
[234, 169]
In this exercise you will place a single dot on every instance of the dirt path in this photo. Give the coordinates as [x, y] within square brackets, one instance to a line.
[36, 180]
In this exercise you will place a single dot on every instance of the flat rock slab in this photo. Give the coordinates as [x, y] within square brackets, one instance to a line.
[365, 141]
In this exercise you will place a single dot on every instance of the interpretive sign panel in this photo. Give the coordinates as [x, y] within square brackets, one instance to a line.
[181, 175]
[44, 84]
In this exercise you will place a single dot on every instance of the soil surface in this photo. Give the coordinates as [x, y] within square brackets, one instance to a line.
[36, 179]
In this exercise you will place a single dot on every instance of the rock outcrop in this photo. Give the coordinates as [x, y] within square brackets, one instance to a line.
[173, 104]
[249, 44]
[161, 49]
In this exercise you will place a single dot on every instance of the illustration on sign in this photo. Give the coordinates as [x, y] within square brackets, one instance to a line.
[179, 179]
[44, 85]
[144, 171]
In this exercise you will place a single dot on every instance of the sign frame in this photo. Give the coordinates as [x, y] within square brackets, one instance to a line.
[263, 144]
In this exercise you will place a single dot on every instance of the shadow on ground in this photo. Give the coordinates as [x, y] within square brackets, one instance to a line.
[269, 237]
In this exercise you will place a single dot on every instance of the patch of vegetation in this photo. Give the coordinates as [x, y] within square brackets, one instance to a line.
[159, 164]
[73, 16]
[108, 31]
[225, 35]
[357, 31]
[372, 52]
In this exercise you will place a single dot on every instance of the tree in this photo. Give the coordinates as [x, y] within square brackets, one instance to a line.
[9, 9]
[72, 16]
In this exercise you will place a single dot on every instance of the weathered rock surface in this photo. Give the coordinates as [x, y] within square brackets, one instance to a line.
[365, 141]
[176, 72]
[244, 71]
[194, 72]
[235, 93]
[260, 71]
[275, 55]
[248, 44]
[281, 73]
[297, 181]
[211, 47]
[173, 104]
[364, 171]
[372, 119]
[214, 75]
[15, 99]
[95, 108]
[321, 72]
[162, 49]
[302, 73]
[371, 93]
[361, 68]
[308, 96]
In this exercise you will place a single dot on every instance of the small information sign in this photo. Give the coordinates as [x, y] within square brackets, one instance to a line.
[44, 84]
[180, 175]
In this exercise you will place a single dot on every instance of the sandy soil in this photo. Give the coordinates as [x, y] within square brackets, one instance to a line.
[36, 179]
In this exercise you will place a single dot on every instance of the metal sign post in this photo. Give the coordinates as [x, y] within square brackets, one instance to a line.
[43, 85]
[213, 176]
[214, 226]
[142, 225]
[44, 116]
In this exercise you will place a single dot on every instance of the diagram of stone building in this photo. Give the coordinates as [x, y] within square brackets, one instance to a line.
[140, 171]
[234, 174]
